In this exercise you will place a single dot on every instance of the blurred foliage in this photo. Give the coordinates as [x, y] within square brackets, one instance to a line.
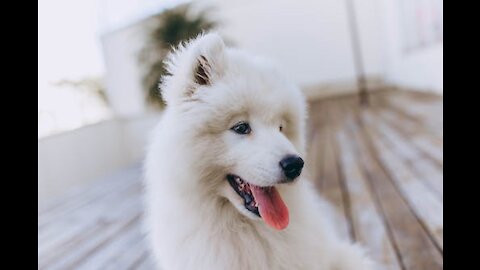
[92, 84]
[169, 29]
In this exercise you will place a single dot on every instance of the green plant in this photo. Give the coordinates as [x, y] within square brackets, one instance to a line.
[170, 28]
[92, 84]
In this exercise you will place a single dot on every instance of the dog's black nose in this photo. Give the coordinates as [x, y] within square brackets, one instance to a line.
[291, 166]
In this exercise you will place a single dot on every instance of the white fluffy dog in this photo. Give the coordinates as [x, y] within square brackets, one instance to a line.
[223, 171]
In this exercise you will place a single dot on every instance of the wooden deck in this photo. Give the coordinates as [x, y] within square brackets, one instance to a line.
[382, 167]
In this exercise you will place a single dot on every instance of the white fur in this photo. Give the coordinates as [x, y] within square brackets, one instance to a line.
[195, 219]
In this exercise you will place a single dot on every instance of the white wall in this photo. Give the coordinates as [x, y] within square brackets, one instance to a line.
[137, 132]
[77, 157]
[310, 40]
[420, 68]
[123, 76]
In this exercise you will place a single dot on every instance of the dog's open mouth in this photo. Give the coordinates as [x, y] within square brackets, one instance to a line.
[264, 202]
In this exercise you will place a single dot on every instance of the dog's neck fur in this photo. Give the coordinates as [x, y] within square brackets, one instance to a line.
[261, 246]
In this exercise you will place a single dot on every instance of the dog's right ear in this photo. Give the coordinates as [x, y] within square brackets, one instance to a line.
[197, 64]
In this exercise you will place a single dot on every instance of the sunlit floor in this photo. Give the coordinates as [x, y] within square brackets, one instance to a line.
[381, 166]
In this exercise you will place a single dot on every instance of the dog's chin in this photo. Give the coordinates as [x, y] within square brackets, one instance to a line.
[238, 202]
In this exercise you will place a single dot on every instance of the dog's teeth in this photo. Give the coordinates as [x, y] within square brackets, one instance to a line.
[256, 204]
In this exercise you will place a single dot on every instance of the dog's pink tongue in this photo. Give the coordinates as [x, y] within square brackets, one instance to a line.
[271, 206]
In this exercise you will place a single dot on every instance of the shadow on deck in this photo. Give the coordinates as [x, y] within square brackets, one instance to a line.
[381, 166]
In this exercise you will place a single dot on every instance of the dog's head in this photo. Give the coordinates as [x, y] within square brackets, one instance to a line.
[245, 123]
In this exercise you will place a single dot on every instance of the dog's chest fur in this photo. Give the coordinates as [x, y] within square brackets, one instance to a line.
[228, 240]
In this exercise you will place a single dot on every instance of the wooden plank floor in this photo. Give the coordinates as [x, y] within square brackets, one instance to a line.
[381, 167]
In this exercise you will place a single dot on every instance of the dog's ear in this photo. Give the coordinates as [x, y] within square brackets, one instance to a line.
[197, 63]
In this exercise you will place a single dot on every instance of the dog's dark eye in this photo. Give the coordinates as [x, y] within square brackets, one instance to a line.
[242, 128]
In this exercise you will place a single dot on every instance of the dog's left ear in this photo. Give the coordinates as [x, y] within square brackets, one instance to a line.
[199, 63]
[209, 60]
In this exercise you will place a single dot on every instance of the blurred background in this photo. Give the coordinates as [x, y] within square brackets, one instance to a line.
[369, 65]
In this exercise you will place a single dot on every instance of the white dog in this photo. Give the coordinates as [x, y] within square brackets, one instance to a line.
[223, 172]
